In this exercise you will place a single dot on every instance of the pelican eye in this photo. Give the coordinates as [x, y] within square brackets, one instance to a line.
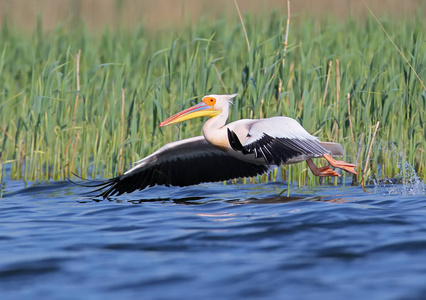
[210, 101]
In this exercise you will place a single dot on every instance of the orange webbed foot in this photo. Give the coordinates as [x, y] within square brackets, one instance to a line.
[322, 171]
[341, 164]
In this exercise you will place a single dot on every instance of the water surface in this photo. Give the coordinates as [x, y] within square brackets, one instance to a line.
[213, 240]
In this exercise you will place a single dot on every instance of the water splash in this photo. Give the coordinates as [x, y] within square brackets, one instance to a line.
[407, 183]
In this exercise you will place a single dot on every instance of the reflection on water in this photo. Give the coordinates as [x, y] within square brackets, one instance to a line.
[203, 200]
[245, 239]
[272, 200]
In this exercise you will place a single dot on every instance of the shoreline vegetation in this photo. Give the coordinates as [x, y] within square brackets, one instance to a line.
[76, 102]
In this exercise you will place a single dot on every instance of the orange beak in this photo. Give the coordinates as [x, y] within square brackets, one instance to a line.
[199, 110]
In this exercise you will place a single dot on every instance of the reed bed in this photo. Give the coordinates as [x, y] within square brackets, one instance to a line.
[72, 100]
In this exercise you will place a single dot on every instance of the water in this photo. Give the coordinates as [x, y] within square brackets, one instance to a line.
[213, 242]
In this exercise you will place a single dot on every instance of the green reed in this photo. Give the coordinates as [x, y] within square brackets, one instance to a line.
[95, 113]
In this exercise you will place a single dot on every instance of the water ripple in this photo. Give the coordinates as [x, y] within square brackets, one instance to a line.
[245, 239]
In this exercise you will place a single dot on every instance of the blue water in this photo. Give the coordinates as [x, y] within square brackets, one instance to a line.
[213, 241]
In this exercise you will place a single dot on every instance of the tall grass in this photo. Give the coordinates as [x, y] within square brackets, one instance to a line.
[96, 112]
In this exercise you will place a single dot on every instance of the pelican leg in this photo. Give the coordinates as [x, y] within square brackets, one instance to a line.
[323, 171]
[340, 164]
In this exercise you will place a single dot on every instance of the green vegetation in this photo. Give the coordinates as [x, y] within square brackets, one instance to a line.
[97, 112]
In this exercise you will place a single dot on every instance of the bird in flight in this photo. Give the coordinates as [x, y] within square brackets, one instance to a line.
[243, 148]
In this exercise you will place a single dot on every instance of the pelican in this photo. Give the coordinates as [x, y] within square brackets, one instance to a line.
[243, 148]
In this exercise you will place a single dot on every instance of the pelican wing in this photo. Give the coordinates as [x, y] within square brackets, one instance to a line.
[278, 140]
[182, 163]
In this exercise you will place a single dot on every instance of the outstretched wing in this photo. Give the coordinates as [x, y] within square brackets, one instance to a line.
[277, 140]
[182, 163]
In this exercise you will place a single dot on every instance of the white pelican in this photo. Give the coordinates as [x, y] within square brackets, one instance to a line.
[242, 148]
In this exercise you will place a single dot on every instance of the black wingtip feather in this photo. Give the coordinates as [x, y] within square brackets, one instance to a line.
[235, 143]
[99, 185]
[276, 150]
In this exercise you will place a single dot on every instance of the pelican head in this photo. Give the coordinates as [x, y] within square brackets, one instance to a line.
[210, 106]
